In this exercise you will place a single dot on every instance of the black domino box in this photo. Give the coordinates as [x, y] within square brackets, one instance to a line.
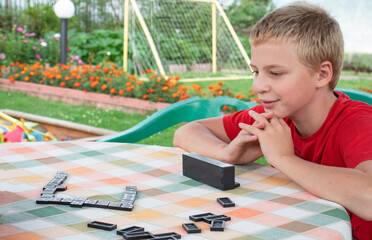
[209, 171]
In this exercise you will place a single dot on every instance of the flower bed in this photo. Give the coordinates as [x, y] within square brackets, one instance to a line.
[77, 97]
[108, 79]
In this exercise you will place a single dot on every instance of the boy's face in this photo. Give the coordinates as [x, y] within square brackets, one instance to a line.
[282, 83]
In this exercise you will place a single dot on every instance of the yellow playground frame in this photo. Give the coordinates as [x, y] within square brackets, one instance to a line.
[215, 5]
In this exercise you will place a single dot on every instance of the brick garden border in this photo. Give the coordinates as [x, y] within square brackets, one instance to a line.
[78, 97]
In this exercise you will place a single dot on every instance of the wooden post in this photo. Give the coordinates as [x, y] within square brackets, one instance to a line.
[125, 37]
[214, 38]
[148, 36]
[233, 34]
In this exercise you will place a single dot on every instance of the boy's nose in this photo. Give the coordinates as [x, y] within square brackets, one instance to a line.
[260, 85]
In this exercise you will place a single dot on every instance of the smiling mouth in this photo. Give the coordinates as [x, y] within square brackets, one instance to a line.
[268, 104]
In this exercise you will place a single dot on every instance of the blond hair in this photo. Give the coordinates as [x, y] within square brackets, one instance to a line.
[317, 35]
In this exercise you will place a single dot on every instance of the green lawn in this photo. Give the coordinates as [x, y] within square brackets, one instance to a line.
[117, 120]
[108, 119]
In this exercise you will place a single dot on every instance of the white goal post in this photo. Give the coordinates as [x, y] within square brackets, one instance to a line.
[176, 36]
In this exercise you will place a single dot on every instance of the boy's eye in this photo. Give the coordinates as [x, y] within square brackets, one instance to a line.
[276, 74]
[255, 73]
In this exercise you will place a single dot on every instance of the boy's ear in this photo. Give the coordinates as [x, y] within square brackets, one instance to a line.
[325, 74]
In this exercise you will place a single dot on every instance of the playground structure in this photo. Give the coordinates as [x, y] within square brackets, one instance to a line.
[182, 36]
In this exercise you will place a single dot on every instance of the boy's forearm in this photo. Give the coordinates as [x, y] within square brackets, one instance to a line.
[193, 137]
[352, 188]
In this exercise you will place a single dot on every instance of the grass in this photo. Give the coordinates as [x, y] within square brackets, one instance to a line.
[109, 119]
[242, 86]
[117, 120]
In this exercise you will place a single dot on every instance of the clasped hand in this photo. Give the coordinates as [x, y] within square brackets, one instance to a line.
[273, 136]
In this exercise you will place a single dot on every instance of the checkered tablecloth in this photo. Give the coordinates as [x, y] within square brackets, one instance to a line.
[268, 205]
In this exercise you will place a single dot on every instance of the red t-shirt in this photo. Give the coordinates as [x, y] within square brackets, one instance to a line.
[344, 140]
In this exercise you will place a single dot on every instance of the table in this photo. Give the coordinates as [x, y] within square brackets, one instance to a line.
[268, 205]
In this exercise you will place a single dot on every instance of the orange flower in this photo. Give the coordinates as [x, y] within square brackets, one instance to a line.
[58, 76]
[121, 92]
[11, 79]
[173, 83]
[77, 84]
[150, 90]
[165, 88]
[93, 84]
[16, 75]
[160, 99]
[91, 78]
[112, 90]
[176, 77]
[98, 78]
[62, 84]
[103, 87]
[225, 107]
[64, 67]
[129, 89]
[67, 78]
[196, 87]
[105, 70]
[12, 64]
[27, 78]
[148, 71]
[144, 96]
[1, 74]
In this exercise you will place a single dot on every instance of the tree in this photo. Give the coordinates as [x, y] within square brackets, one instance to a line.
[244, 14]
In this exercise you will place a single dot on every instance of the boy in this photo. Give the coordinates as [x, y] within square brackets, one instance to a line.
[317, 137]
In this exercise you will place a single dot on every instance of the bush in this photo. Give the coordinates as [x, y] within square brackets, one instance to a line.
[358, 63]
[98, 47]
[40, 19]
[22, 45]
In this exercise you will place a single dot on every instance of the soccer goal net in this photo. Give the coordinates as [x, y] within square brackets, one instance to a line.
[178, 36]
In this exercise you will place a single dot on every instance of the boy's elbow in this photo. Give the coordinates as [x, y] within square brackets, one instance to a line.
[368, 209]
[365, 210]
[176, 138]
[179, 135]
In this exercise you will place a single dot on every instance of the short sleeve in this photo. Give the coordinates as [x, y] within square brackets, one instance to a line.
[356, 140]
